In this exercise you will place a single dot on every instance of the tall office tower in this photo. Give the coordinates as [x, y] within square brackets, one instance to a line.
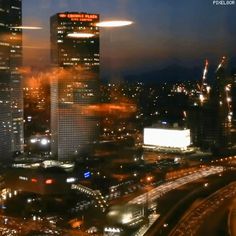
[11, 96]
[74, 86]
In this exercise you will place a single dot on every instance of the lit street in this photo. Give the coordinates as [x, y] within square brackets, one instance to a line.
[157, 192]
[192, 221]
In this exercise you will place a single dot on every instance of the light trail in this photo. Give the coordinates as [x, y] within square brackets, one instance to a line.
[80, 35]
[28, 27]
[159, 191]
[115, 23]
[191, 222]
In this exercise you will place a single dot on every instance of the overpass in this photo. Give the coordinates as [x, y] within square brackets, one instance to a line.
[100, 201]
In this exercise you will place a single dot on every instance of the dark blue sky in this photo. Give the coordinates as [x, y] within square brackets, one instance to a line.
[164, 31]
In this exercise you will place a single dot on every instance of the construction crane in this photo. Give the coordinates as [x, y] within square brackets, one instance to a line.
[203, 86]
[221, 63]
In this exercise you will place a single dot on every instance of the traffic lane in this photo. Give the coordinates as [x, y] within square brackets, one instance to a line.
[168, 201]
[192, 221]
[216, 223]
[169, 186]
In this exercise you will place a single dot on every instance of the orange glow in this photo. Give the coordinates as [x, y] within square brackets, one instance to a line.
[62, 15]
[75, 223]
[121, 177]
[123, 109]
[48, 181]
[65, 74]
[10, 37]
[33, 180]
[33, 83]
[53, 75]
[25, 70]
[149, 178]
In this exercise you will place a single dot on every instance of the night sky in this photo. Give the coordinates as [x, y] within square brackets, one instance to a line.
[164, 32]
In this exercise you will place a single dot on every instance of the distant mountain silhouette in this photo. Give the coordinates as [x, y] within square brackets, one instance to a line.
[172, 73]
[178, 73]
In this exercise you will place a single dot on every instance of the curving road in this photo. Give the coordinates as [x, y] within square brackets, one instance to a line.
[159, 191]
[193, 219]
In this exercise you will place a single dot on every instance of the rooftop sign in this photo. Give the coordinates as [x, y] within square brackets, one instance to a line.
[79, 16]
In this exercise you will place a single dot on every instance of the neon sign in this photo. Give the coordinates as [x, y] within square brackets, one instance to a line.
[79, 16]
[87, 175]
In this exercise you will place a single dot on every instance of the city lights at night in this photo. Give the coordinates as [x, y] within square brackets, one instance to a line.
[117, 118]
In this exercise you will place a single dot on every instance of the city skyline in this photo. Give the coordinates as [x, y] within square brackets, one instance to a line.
[184, 32]
[87, 148]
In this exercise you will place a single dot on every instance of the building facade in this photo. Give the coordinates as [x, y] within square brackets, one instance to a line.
[211, 122]
[74, 85]
[11, 95]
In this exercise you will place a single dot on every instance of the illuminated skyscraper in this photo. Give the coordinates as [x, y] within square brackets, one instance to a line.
[74, 87]
[11, 96]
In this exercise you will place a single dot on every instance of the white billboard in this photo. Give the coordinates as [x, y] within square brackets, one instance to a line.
[167, 137]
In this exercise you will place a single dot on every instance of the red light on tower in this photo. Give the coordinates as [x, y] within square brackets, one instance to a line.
[33, 180]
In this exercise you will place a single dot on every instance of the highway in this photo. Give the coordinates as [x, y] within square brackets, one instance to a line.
[232, 219]
[152, 195]
[216, 223]
[190, 223]
[159, 191]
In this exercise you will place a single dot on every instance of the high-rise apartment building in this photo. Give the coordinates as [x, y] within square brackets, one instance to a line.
[11, 96]
[74, 86]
